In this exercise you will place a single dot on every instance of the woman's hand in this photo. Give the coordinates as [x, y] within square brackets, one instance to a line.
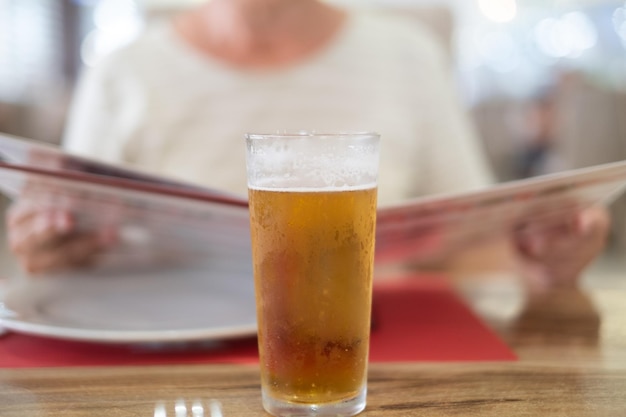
[554, 254]
[47, 240]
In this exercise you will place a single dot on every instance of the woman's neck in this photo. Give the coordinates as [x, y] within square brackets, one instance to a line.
[260, 33]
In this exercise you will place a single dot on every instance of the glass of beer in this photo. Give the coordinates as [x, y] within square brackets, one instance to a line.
[313, 218]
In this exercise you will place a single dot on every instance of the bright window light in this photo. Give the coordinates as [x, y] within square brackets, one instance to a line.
[568, 36]
[117, 23]
[619, 23]
[499, 51]
[498, 10]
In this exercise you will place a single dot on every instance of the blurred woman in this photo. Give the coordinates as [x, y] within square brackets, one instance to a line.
[178, 100]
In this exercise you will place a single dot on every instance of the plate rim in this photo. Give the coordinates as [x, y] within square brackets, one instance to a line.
[12, 321]
[128, 336]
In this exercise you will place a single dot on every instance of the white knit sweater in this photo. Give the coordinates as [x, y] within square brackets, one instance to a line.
[164, 108]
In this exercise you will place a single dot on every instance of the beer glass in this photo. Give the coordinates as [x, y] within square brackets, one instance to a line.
[313, 217]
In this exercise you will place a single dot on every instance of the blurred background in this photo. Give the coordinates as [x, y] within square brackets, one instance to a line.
[544, 80]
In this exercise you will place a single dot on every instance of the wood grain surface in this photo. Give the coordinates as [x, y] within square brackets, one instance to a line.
[572, 362]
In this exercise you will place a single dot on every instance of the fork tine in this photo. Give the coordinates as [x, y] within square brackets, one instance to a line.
[159, 410]
[180, 409]
[197, 410]
[215, 409]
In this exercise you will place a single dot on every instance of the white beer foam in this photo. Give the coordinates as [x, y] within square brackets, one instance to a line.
[313, 165]
[272, 187]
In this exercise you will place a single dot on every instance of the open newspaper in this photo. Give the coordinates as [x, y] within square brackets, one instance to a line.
[160, 221]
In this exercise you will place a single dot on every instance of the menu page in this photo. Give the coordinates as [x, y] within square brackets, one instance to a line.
[151, 228]
[433, 226]
[35, 155]
[155, 215]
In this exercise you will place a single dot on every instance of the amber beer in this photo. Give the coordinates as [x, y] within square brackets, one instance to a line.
[313, 216]
[313, 267]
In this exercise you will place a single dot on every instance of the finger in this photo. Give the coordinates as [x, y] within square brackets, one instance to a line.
[585, 241]
[564, 259]
[594, 220]
[78, 251]
[588, 228]
[566, 248]
[39, 230]
[21, 212]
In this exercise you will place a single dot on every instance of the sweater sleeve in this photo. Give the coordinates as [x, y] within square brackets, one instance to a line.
[106, 112]
[452, 158]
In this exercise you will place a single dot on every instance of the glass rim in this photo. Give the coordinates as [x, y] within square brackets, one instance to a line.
[310, 134]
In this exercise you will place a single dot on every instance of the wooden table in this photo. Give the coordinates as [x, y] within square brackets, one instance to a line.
[572, 362]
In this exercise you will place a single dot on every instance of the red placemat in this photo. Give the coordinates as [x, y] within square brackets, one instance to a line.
[414, 319]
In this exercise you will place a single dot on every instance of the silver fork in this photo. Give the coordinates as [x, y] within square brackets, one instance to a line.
[197, 409]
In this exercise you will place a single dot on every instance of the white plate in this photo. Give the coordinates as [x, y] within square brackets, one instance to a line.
[162, 306]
